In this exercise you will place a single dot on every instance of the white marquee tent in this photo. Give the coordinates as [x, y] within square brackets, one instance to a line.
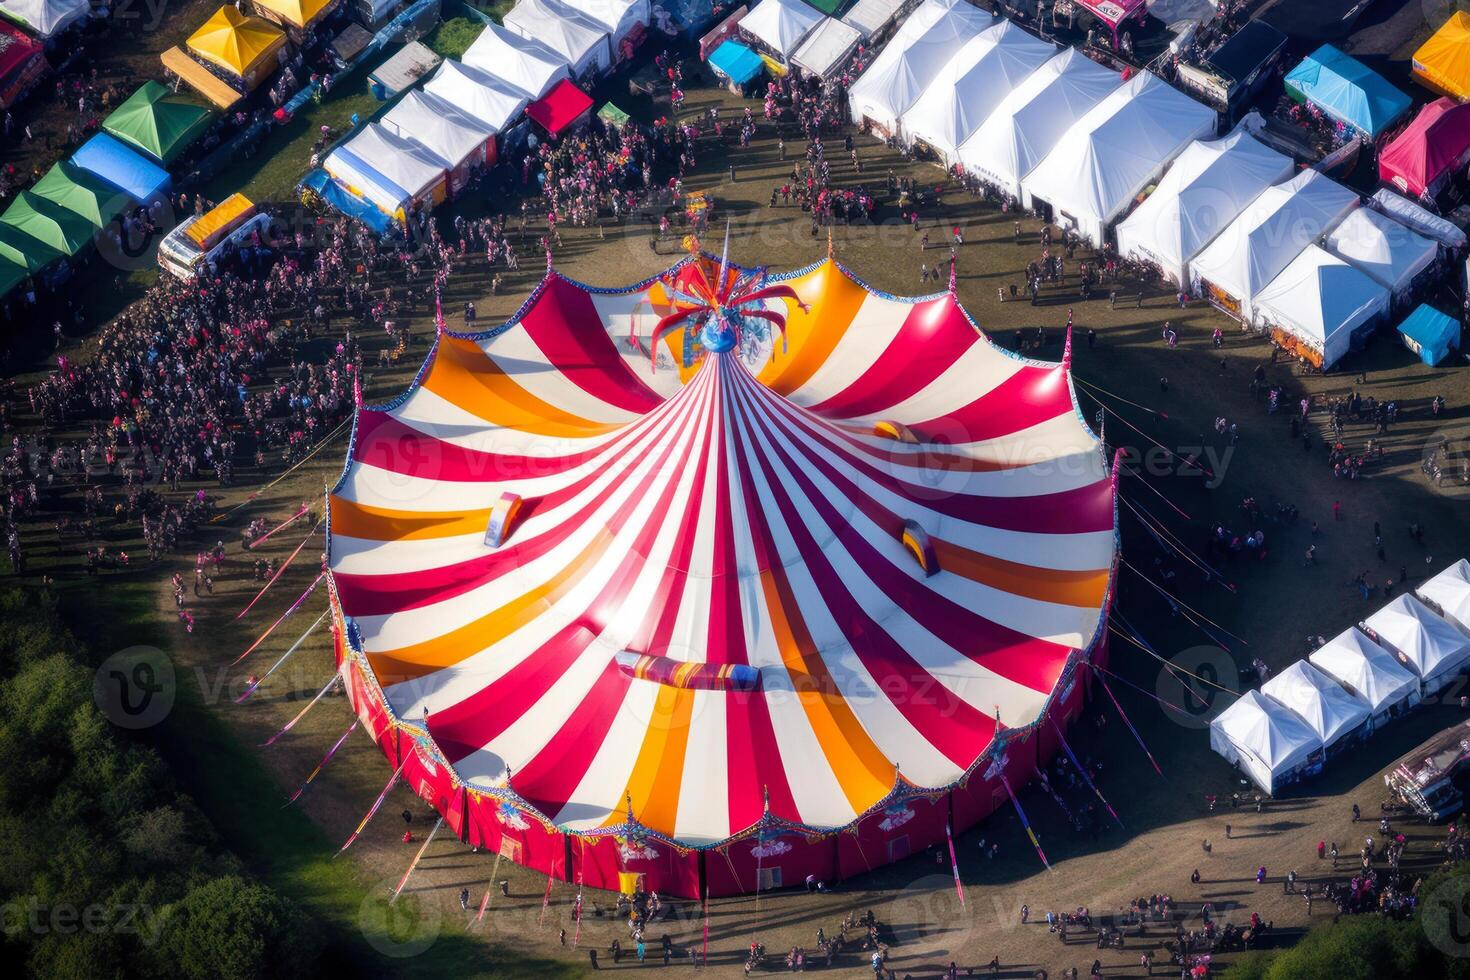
[827, 48]
[1267, 742]
[1032, 118]
[781, 25]
[971, 85]
[459, 140]
[1206, 189]
[921, 47]
[1115, 151]
[584, 44]
[1262, 241]
[1432, 647]
[1370, 672]
[871, 16]
[1450, 591]
[477, 94]
[1386, 250]
[46, 18]
[620, 17]
[528, 66]
[1321, 306]
[1321, 702]
[386, 170]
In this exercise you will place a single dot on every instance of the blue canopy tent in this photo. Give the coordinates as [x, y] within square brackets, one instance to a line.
[1430, 334]
[124, 169]
[736, 63]
[334, 194]
[1347, 90]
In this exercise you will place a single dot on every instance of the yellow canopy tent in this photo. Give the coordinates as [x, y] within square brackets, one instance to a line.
[213, 226]
[299, 14]
[1442, 63]
[239, 45]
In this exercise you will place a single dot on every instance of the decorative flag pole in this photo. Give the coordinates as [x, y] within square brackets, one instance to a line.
[336, 679]
[577, 913]
[279, 527]
[1121, 714]
[704, 948]
[255, 685]
[1024, 822]
[376, 804]
[272, 628]
[321, 765]
[545, 902]
[954, 862]
[494, 873]
[272, 580]
[1085, 776]
[415, 862]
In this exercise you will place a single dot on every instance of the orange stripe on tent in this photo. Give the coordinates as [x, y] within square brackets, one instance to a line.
[355, 520]
[448, 649]
[861, 769]
[463, 375]
[811, 337]
[1067, 588]
[658, 772]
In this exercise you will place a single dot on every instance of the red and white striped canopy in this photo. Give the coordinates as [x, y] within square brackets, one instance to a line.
[709, 600]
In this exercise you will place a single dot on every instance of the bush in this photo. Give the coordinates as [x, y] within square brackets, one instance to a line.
[453, 38]
[230, 929]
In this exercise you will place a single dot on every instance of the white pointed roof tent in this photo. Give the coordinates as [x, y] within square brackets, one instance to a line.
[584, 44]
[1388, 251]
[781, 25]
[926, 40]
[1262, 241]
[46, 18]
[492, 101]
[1206, 189]
[1111, 154]
[1317, 699]
[526, 65]
[967, 90]
[1322, 306]
[386, 170]
[1370, 672]
[827, 48]
[1266, 741]
[1450, 592]
[871, 16]
[1029, 121]
[1422, 641]
[620, 17]
[440, 127]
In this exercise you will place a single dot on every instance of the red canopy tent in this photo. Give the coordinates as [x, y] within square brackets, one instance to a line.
[1114, 12]
[22, 62]
[1429, 149]
[558, 109]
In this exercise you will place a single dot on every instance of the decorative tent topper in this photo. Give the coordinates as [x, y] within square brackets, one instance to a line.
[502, 518]
[688, 674]
[916, 540]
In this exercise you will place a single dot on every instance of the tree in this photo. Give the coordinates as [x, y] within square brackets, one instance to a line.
[232, 929]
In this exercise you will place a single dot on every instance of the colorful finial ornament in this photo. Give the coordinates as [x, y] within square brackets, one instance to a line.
[722, 305]
[953, 276]
[550, 265]
[830, 250]
[1067, 349]
[356, 390]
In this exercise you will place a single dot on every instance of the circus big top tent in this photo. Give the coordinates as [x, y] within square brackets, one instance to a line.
[1028, 122]
[627, 585]
[1114, 151]
[923, 44]
[976, 79]
[1206, 189]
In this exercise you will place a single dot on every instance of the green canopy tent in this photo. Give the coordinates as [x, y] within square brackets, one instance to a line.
[82, 192]
[11, 275]
[63, 231]
[20, 249]
[159, 123]
[612, 115]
